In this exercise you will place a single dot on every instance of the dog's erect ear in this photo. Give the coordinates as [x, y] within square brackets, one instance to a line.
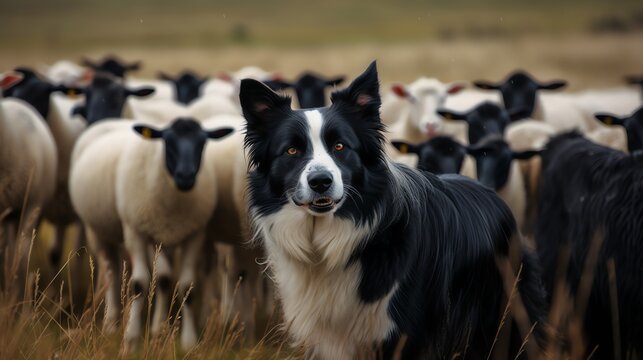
[362, 95]
[260, 104]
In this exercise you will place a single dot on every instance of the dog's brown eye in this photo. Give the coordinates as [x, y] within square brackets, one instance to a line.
[292, 151]
[339, 147]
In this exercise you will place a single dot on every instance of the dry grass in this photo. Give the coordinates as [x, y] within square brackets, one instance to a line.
[50, 320]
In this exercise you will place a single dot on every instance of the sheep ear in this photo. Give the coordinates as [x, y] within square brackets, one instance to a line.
[486, 85]
[524, 155]
[219, 133]
[552, 85]
[609, 119]
[400, 90]
[204, 80]
[518, 114]
[88, 63]
[163, 76]
[452, 115]
[404, 147]
[455, 88]
[136, 65]
[336, 81]
[79, 110]
[10, 79]
[362, 95]
[70, 91]
[148, 132]
[634, 80]
[140, 92]
[277, 85]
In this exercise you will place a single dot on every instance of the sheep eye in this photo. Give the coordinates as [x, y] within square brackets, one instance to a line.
[292, 151]
[339, 147]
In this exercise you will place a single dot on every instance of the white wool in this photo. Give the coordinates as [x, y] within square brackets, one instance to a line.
[28, 151]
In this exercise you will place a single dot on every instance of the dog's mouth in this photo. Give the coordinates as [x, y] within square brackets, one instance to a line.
[322, 204]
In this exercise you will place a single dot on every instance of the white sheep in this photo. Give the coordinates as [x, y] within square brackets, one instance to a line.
[27, 180]
[66, 126]
[165, 195]
[411, 114]
[417, 120]
[45, 97]
[92, 184]
[64, 72]
[527, 135]
[162, 111]
[229, 225]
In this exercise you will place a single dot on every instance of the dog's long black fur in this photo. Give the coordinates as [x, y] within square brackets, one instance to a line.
[438, 238]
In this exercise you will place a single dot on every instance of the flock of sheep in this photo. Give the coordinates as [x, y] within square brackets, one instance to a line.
[154, 170]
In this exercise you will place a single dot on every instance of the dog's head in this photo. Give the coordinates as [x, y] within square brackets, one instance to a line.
[316, 159]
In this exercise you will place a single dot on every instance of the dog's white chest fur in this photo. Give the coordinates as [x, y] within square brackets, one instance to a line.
[319, 292]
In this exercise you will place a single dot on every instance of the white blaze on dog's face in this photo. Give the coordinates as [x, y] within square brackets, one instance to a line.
[320, 184]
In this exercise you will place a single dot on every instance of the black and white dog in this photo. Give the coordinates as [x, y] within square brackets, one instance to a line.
[368, 254]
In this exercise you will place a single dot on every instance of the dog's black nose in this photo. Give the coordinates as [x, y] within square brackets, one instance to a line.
[320, 181]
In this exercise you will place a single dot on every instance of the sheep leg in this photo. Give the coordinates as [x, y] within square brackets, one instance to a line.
[163, 271]
[249, 289]
[113, 266]
[191, 251]
[56, 249]
[136, 246]
[208, 276]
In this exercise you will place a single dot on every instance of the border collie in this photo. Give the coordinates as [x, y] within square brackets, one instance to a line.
[368, 255]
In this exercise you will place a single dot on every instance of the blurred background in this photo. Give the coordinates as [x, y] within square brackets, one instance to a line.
[591, 43]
